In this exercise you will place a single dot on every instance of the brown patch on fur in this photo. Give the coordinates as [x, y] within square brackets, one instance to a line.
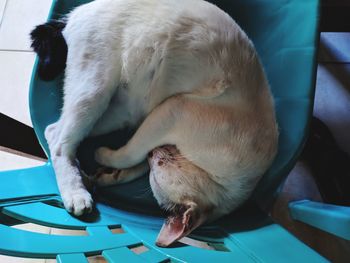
[167, 154]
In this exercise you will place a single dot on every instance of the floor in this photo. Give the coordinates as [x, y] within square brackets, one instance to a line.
[332, 105]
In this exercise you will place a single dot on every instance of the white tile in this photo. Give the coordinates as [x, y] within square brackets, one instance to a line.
[334, 47]
[20, 17]
[92, 259]
[332, 101]
[2, 9]
[10, 161]
[33, 228]
[97, 259]
[6, 259]
[15, 74]
[67, 232]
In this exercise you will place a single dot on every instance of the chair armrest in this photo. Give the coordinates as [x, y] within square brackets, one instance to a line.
[329, 218]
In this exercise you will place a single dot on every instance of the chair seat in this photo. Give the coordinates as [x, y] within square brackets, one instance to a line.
[248, 235]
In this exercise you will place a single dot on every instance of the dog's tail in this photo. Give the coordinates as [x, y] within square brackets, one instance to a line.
[50, 45]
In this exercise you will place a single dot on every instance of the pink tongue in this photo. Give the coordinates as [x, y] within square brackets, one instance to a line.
[172, 230]
[183, 222]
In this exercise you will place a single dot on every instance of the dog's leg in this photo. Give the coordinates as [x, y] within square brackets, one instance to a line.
[110, 176]
[156, 130]
[83, 105]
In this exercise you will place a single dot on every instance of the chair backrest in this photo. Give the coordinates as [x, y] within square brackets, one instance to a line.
[285, 35]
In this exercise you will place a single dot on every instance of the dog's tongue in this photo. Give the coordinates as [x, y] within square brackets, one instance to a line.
[179, 225]
[172, 230]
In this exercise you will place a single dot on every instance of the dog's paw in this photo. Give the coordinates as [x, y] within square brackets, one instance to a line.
[105, 176]
[103, 156]
[77, 202]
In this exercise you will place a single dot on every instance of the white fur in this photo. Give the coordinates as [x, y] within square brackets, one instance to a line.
[185, 74]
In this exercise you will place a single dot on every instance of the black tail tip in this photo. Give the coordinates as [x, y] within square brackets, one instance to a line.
[50, 45]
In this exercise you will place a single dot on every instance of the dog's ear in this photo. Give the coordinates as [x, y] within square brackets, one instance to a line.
[180, 223]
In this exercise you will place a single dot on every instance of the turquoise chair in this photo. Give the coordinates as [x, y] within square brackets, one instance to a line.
[285, 35]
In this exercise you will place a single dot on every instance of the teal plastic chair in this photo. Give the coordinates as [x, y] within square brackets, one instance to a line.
[285, 35]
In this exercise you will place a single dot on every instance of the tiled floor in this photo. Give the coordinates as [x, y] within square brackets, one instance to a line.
[17, 18]
[332, 104]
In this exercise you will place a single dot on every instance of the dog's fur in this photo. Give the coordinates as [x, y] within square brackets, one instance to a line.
[185, 74]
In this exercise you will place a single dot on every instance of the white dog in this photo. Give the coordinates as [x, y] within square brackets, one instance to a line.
[188, 77]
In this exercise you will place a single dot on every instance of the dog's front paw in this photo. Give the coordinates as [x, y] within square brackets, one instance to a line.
[78, 201]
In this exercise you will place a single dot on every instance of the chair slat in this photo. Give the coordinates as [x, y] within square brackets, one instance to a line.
[48, 215]
[154, 256]
[71, 258]
[123, 255]
[22, 243]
